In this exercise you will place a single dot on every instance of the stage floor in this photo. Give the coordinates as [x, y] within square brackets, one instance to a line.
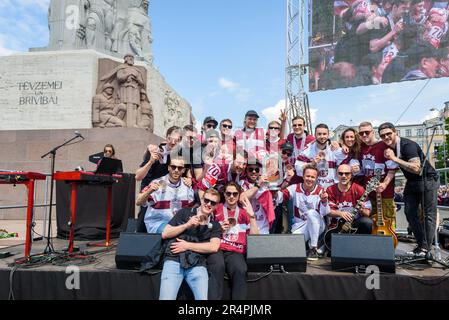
[99, 279]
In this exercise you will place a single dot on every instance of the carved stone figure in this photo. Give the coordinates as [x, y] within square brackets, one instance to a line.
[172, 116]
[105, 112]
[145, 117]
[99, 23]
[130, 82]
[136, 35]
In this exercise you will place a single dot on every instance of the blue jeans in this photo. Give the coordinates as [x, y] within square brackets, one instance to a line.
[173, 275]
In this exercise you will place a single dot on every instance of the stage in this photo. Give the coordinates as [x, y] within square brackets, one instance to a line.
[100, 280]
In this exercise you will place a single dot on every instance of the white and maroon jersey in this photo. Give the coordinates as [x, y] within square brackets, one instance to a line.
[234, 239]
[327, 169]
[251, 141]
[303, 203]
[262, 207]
[217, 175]
[434, 32]
[346, 201]
[358, 6]
[163, 204]
[373, 160]
[299, 144]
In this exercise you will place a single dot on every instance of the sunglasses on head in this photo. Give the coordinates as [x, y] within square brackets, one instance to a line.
[344, 173]
[231, 194]
[212, 203]
[388, 134]
[179, 168]
[256, 170]
[227, 126]
[364, 133]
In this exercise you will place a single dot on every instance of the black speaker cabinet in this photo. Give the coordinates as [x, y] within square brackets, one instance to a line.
[351, 251]
[133, 247]
[285, 252]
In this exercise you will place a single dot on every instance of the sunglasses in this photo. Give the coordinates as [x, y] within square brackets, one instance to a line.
[256, 170]
[388, 134]
[232, 194]
[344, 174]
[227, 126]
[107, 151]
[274, 128]
[179, 168]
[209, 126]
[364, 133]
[287, 153]
[212, 203]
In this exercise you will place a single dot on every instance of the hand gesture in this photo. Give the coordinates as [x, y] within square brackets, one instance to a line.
[263, 180]
[355, 168]
[283, 117]
[389, 154]
[246, 204]
[193, 222]
[346, 216]
[324, 196]
[188, 182]
[334, 145]
[179, 246]
[225, 226]
[398, 27]
[154, 186]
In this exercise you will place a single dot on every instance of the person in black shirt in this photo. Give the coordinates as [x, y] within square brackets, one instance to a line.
[421, 187]
[190, 236]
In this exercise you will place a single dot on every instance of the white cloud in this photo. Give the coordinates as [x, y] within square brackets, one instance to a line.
[227, 84]
[239, 93]
[432, 115]
[272, 113]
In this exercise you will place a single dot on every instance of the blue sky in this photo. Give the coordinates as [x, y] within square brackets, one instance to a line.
[228, 56]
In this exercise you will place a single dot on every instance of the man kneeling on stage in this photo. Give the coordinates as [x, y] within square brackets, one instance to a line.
[190, 235]
[310, 207]
[343, 198]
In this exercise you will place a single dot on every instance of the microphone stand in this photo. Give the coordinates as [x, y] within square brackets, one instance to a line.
[429, 258]
[52, 153]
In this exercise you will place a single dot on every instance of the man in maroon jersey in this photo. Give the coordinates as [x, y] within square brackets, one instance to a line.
[343, 198]
[299, 138]
[373, 162]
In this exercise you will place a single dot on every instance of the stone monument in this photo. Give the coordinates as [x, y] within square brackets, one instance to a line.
[62, 86]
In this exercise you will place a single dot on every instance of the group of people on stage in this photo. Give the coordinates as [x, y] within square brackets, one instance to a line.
[204, 192]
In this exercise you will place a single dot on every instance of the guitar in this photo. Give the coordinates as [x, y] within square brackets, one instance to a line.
[345, 227]
[383, 226]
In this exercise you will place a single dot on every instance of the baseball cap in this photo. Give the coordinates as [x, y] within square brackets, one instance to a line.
[212, 133]
[210, 119]
[386, 125]
[287, 146]
[252, 113]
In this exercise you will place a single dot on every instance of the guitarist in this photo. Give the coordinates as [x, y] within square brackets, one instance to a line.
[343, 198]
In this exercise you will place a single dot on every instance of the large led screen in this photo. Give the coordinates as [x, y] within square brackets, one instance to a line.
[365, 42]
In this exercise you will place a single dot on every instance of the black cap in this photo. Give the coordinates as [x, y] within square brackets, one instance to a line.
[209, 120]
[386, 125]
[252, 113]
[287, 146]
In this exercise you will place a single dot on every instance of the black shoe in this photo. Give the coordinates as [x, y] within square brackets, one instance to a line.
[418, 252]
[312, 255]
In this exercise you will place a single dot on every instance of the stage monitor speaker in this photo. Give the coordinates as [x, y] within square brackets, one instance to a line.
[133, 248]
[360, 251]
[281, 252]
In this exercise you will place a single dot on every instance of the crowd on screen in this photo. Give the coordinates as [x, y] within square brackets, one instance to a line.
[204, 192]
[382, 41]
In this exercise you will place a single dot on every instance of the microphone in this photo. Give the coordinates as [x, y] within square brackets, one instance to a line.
[78, 134]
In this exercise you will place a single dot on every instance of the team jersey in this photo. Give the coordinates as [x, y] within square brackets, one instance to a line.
[373, 161]
[234, 239]
[163, 203]
[299, 144]
[251, 141]
[346, 201]
[327, 169]
[262, 204]
[217, 175]
[436, 26]
[303, 203]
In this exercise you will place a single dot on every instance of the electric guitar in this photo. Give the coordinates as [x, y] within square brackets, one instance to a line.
[345, 227]
[383, 226]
